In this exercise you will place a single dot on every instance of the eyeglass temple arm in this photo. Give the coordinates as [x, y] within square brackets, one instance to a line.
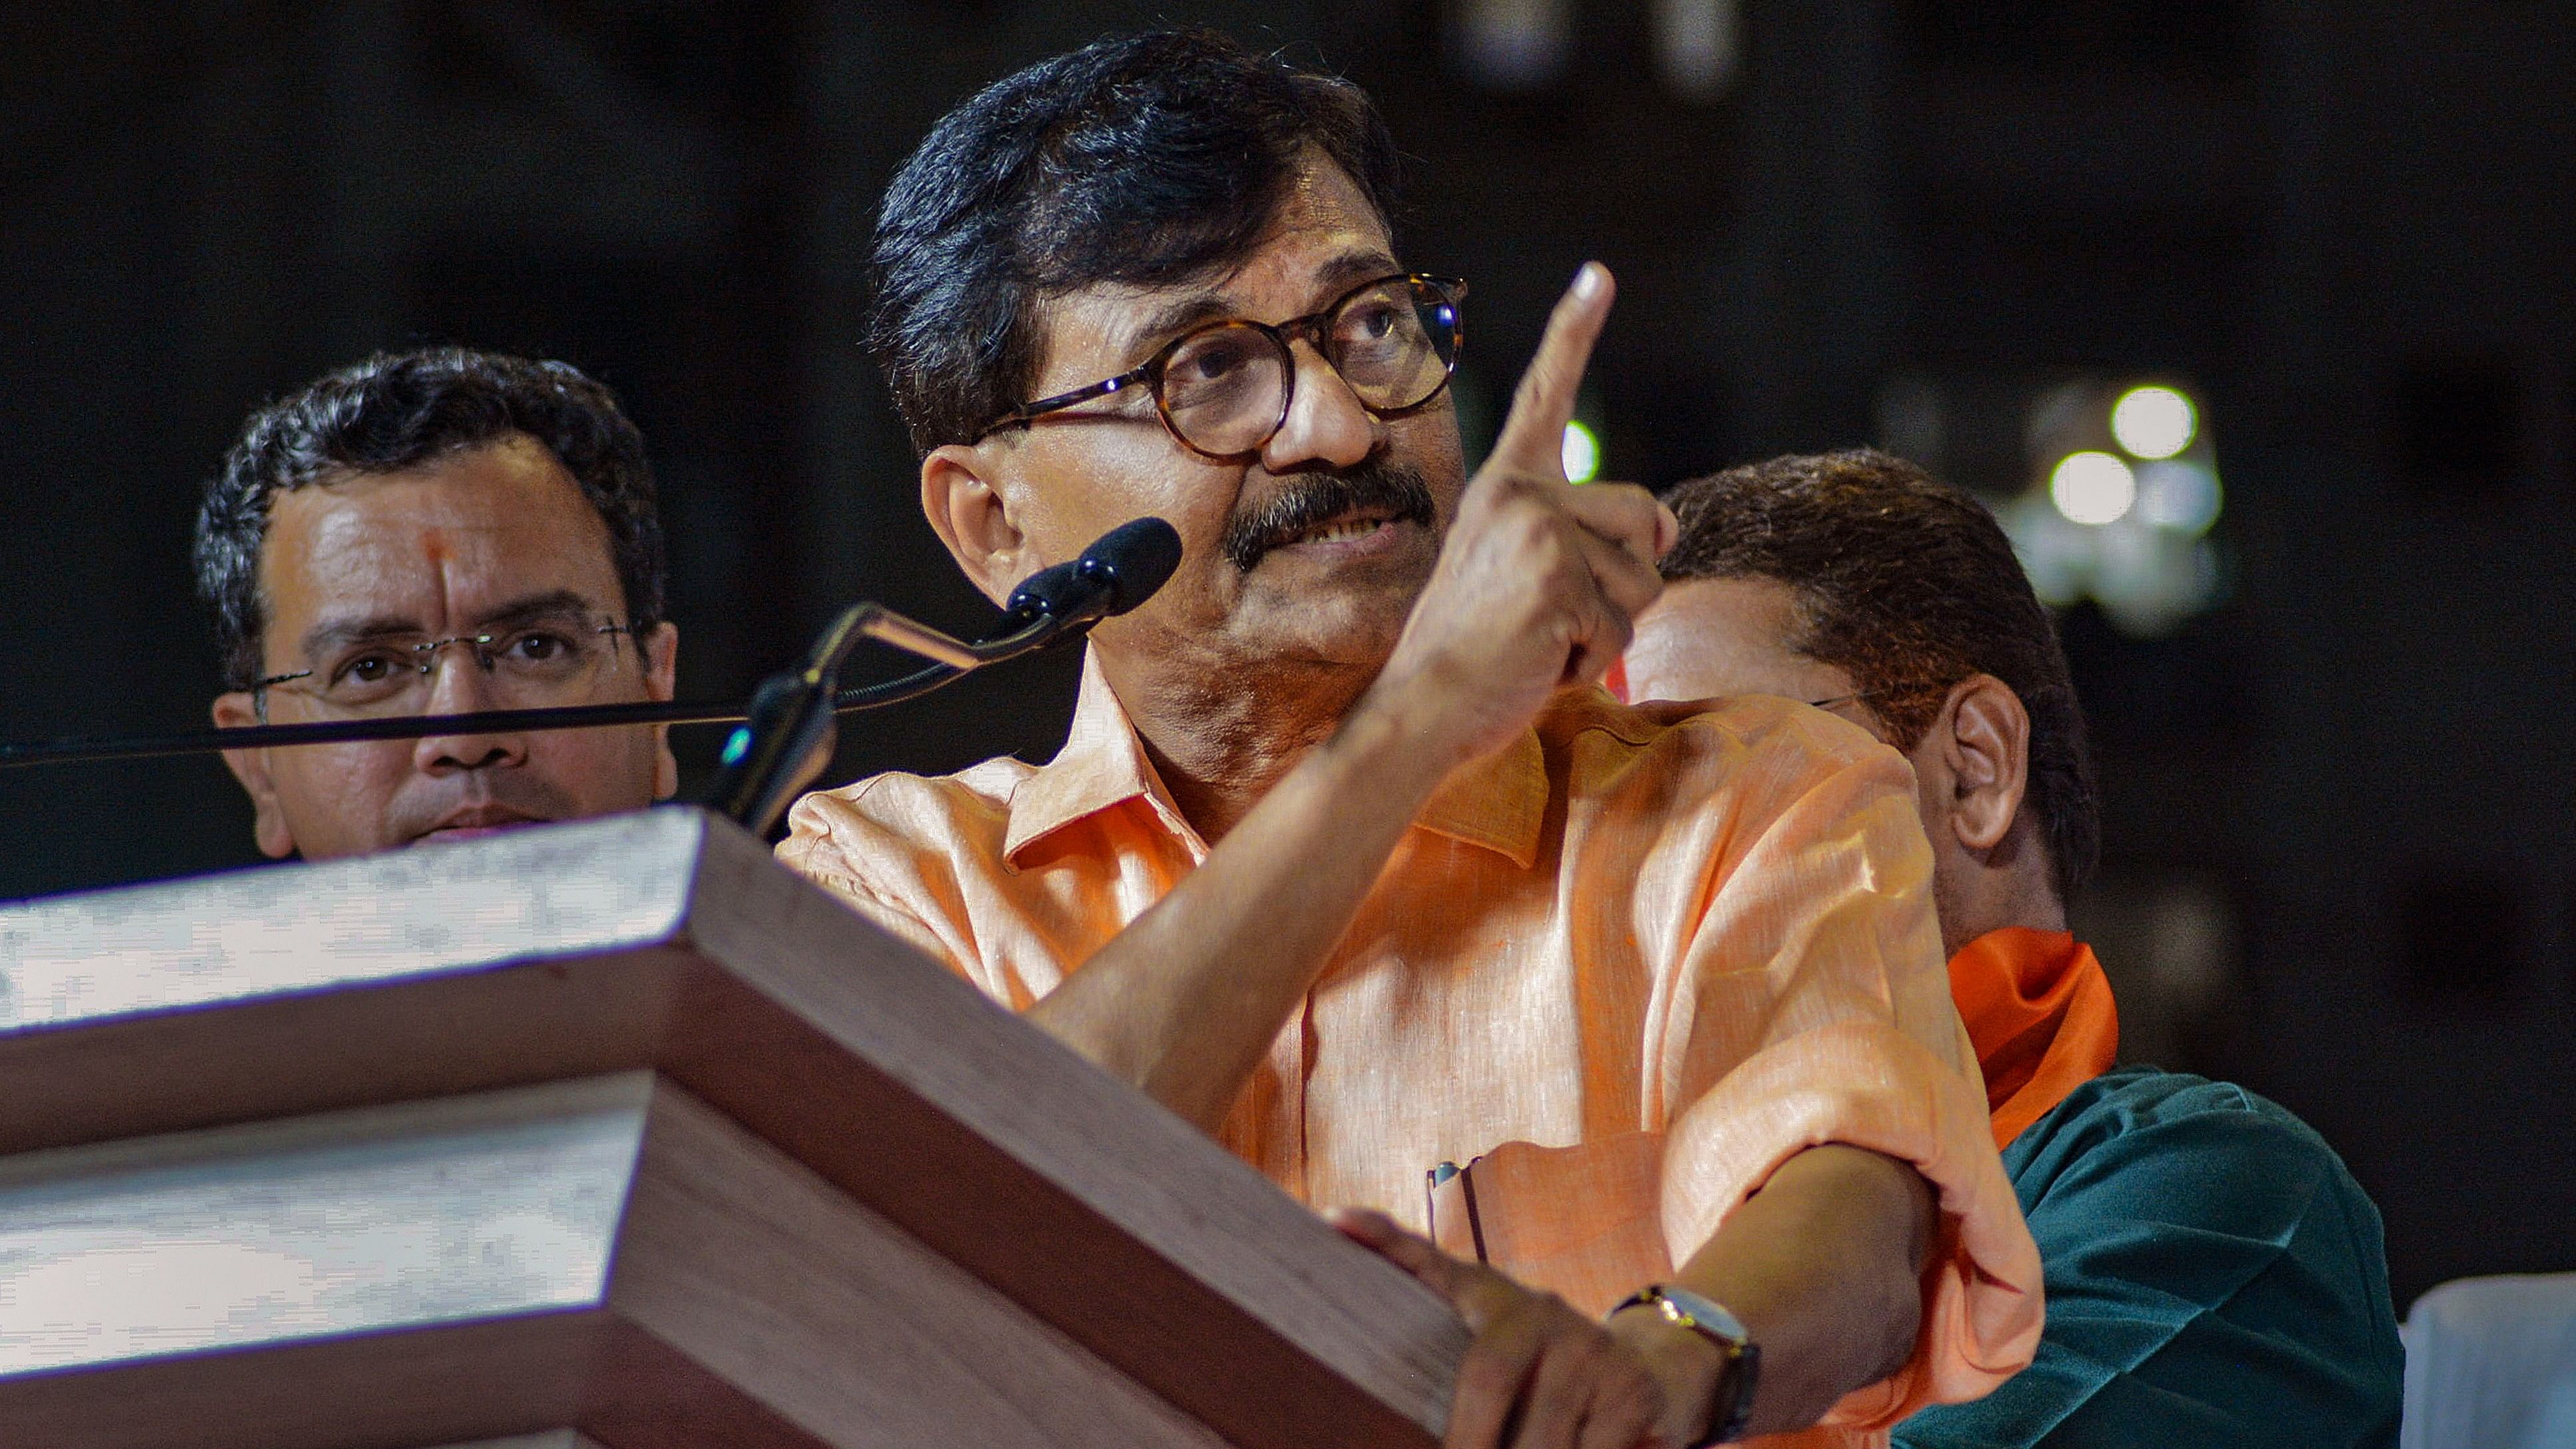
[1024, 415]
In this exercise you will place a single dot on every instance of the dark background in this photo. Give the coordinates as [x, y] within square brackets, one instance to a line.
[2338, 867]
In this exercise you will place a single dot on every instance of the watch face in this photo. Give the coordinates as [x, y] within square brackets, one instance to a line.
[1709, 1319]
[1708, 1314]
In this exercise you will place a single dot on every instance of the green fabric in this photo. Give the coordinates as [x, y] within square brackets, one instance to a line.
[2215, 1277]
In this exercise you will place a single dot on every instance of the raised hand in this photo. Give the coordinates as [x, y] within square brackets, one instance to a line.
[1538, 579]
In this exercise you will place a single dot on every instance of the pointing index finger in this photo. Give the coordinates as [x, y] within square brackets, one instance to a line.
[1533, 436]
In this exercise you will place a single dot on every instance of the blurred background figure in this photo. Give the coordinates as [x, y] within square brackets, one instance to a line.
[2322, 656]
[2491, 1364]
[437, 532]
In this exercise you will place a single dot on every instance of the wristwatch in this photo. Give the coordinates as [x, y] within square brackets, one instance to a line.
[1733, 1404]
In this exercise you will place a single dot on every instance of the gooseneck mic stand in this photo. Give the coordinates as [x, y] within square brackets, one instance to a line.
[793, 723]
[789, 725]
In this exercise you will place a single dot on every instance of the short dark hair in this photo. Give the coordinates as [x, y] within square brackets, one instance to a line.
[1909, 586]
[1147, 160]
[399, 410]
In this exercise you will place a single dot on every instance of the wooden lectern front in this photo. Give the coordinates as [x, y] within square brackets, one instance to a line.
[616, 1135]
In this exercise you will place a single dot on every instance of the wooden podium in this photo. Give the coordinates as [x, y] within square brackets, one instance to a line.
[618, 1134]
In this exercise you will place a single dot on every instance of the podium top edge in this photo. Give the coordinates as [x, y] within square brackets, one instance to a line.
[572, 889]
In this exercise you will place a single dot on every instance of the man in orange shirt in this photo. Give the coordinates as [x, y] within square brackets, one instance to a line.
[1347, 860]
[2215, 1276]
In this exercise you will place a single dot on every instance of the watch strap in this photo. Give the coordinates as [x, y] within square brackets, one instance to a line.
[1709, 1319]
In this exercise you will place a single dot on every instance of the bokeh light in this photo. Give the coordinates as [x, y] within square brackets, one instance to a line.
[2098, 523]
[2154, 422]
[2178, 495]
[1582, 454]
[2092, 488]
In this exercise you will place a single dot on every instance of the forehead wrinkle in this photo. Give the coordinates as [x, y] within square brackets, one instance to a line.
[1348, 266]
[1145, 337]
[1344, 269]
[331, 633]
[532, 606]
[1354, 266]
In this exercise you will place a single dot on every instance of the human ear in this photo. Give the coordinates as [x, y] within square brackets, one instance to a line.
[965, 506]
[268, 821]
[661, 658]
[1984, 734]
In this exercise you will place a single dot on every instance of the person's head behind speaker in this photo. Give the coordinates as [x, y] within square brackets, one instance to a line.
[439, 531]
[1857, 580]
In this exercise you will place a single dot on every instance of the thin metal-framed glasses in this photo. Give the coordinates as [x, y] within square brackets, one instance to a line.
[1834, 705]
[550, 659]
[1223, 389]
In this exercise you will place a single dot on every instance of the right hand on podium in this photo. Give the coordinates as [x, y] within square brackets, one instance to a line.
[1539, 1375]
[1538, 579]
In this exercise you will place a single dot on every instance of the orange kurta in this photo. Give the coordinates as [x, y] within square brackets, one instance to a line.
[1713, 928]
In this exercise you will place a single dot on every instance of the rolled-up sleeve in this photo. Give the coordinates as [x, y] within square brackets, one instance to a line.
[1812, 1006]
[840, 847]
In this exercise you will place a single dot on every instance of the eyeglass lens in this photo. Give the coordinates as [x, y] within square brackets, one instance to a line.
[544, 662]
[1225, 388]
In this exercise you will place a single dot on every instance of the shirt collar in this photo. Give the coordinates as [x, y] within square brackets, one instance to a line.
[1101, 766]
[1498, 802]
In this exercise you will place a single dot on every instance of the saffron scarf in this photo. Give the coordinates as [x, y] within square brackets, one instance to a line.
[2040, 1014]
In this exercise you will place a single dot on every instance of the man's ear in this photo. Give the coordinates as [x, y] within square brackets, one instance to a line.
[268, 825]
[966, 509]
[661, 652]
[1984, 737]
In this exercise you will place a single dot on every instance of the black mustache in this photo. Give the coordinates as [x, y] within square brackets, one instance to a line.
[1307, 499]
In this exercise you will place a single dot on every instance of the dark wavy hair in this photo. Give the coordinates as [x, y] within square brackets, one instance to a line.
[1909, 586]
[1150, 160]
[398, 410]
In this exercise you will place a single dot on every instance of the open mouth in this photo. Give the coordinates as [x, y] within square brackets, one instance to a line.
[1347, 528]
[1344, 514]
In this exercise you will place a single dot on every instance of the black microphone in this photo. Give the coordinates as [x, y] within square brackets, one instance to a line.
[793, 726]
[1122, 569]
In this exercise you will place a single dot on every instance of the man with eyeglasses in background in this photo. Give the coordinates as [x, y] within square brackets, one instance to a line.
[1347, 860]
[441, 531]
